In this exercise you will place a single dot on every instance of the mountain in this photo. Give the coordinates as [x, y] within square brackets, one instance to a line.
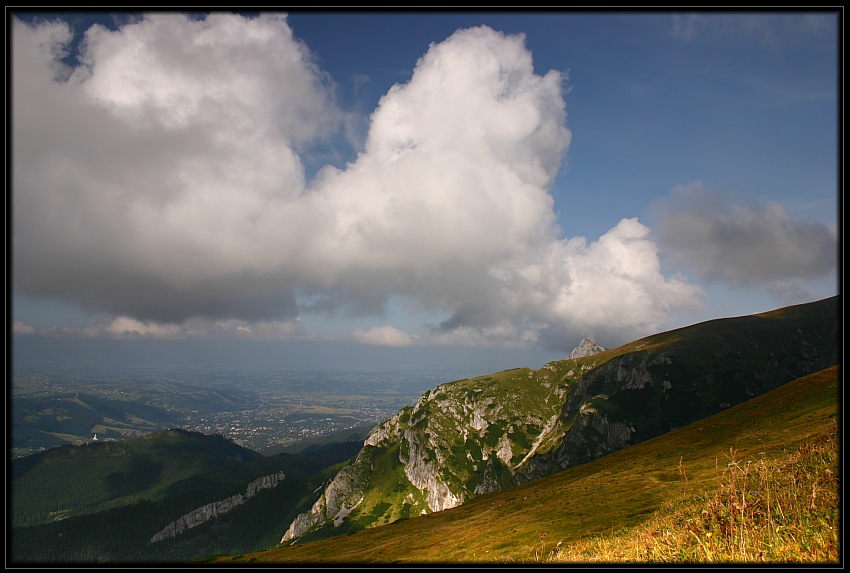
[471, 437]
[624, 491]
[168, 497]
[476, 469]
[74, 480]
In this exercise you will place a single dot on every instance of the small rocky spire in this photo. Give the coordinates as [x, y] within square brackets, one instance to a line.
[587, 347]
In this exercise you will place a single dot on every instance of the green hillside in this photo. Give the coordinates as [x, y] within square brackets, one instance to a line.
[498, 468]
[619, 490]
[124, 533]
[74, 480]
[75, 416]
[470, 437]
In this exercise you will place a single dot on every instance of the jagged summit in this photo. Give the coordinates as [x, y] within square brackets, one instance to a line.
[587, 347]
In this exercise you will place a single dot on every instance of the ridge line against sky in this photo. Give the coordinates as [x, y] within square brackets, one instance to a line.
[440, 179]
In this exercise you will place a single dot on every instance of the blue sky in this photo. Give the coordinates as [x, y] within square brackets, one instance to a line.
[504, 183]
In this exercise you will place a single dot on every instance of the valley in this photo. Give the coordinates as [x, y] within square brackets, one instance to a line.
[266, 412]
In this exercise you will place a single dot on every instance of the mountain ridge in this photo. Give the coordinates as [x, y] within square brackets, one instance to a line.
[466, 441]
[471, 437]
[127, 471]
[618, 492]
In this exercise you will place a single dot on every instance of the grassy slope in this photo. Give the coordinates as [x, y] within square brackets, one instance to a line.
[75, 480]
[784, 509]
[714, 363]
[619, 490]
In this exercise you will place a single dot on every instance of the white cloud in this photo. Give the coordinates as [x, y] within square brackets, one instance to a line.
[20, 327]
[612, 288]
[123, 327]
[161, 182]
[383, 336]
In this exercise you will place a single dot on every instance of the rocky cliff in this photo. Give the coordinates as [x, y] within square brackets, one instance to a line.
[341, 496]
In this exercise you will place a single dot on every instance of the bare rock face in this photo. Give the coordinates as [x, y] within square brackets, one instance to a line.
[422, 467]
[422, 459]
[587, 347]
[212, 510]
[344, 493]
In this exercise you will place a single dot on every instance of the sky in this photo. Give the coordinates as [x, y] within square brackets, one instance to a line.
[488, 187]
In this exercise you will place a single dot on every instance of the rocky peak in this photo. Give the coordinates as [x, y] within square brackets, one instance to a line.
[587, 347]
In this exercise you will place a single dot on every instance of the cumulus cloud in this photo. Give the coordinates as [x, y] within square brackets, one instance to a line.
[612, 288]
[161, 181]
[744, 244]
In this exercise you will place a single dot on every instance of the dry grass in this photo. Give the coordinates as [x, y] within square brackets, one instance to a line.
[784, 510]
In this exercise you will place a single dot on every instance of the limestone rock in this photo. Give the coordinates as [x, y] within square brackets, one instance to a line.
[587, 347]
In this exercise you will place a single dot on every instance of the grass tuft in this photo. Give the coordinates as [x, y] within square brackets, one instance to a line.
[784, 510]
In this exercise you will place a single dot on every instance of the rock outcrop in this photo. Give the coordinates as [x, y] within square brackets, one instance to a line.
[341, 496]
[212, 510]
[587, 347]
[459, 440]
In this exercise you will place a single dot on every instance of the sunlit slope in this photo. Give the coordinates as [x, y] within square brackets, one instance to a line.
[620, 489]
[458, 441]
[470, 437]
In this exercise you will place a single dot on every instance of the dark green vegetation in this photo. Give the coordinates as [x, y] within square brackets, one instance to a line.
[104, 502]
[617, 492]
[662, 382]
[74, 480]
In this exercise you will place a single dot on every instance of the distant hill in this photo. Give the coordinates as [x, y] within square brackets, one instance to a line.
[467, 438]
[75, 416]
[74, 480]
[228, 499]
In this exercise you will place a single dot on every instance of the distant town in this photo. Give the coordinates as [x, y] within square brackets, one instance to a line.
[258, 430]
[262, 411]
